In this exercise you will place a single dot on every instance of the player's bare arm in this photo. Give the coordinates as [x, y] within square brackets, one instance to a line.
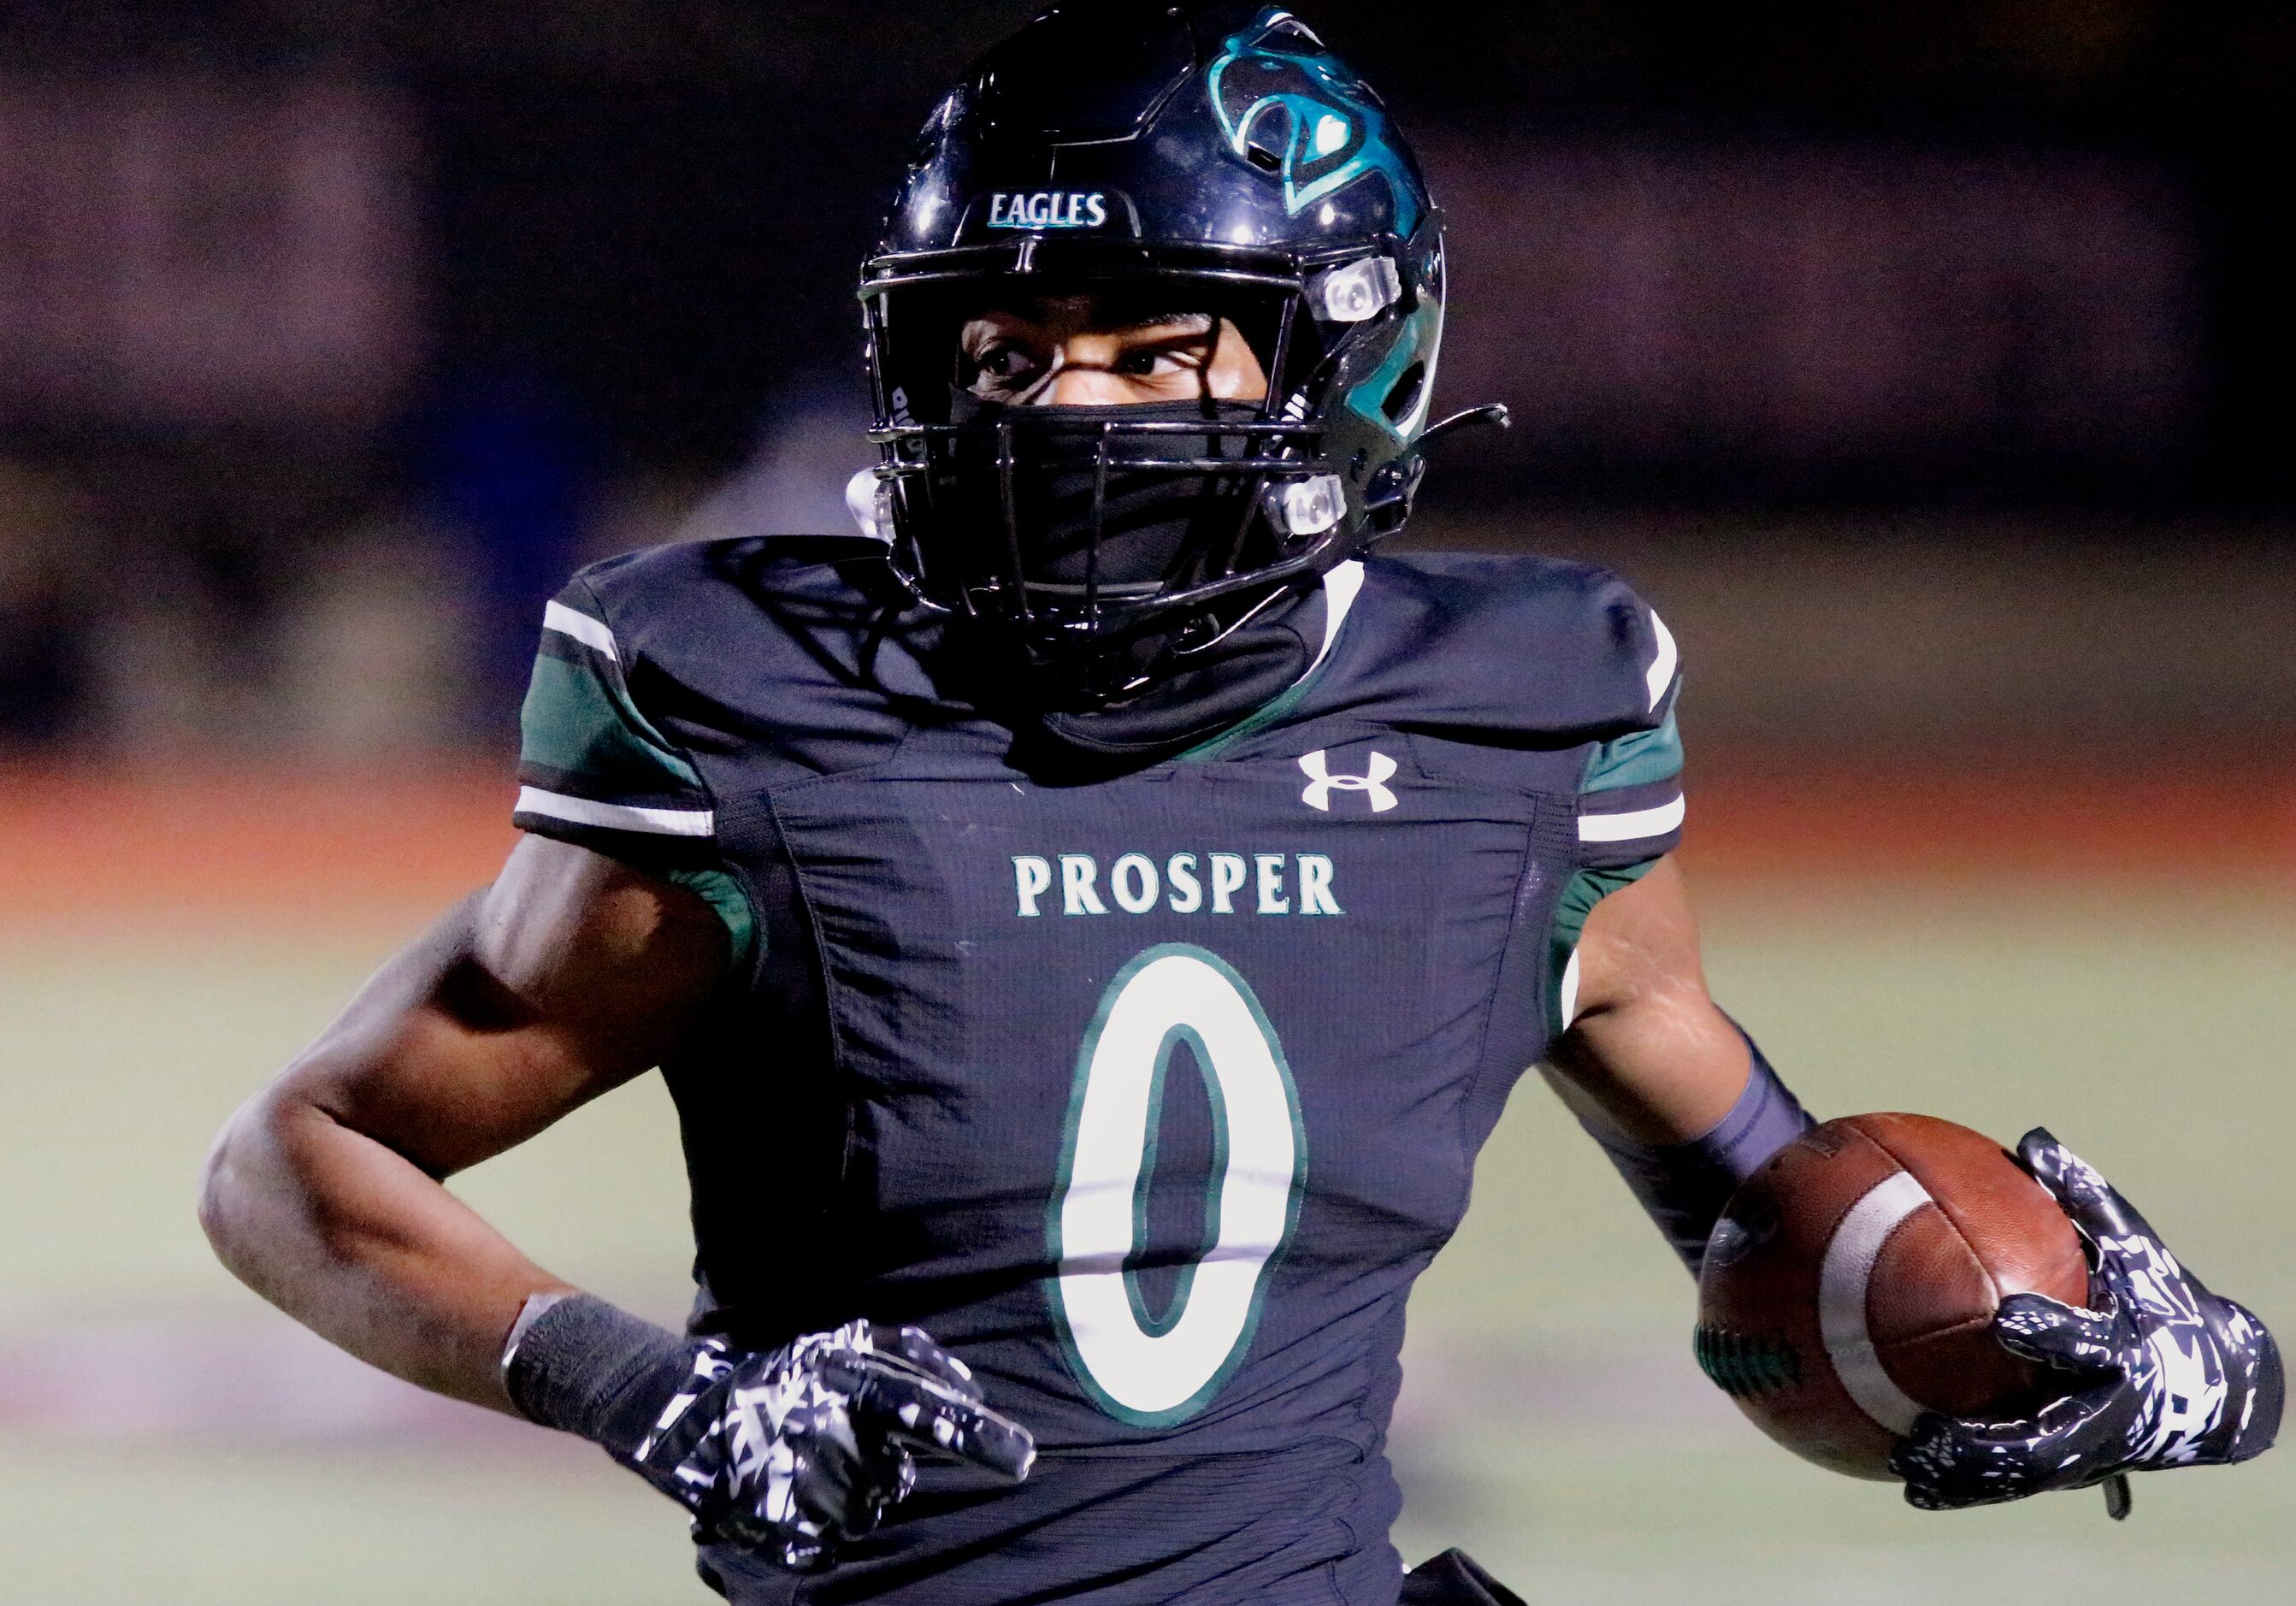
[570, 976]
[1650, 1057]
[567, 977]
[2152, 1370]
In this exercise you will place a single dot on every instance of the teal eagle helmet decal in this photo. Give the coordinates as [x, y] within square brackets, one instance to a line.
[1334, 131]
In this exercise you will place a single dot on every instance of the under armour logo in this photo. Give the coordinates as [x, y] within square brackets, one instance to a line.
[1317, 767]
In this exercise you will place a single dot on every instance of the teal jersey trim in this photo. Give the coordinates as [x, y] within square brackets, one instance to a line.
[579, 725]
[1275, 708]
[1257, 721]
[580, 731]
[1645, 758]
[723, 893]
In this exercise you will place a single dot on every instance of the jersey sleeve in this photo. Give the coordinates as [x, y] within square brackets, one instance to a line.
[595, 772]
[1631, 805]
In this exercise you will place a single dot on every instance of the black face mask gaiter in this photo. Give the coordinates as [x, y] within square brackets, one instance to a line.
[1199, 695]
[1156, 527]
[1155, 524]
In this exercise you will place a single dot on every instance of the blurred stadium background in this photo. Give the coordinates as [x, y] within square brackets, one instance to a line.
[1927, 365]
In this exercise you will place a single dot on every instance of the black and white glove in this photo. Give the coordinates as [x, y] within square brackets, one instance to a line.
[785, 1453]
[2166, 1374]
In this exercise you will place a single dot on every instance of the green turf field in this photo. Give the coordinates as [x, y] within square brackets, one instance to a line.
[162, 1438]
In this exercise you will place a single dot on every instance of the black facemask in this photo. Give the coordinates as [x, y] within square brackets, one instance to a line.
[1078, 531]
[1088, 508]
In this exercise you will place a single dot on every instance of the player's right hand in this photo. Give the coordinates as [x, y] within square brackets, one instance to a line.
[787, 1452]
[2161, 1373]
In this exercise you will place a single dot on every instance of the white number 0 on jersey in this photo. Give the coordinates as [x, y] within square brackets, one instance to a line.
[1140, 1369]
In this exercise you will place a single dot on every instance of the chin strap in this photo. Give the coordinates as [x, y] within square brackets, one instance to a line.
[1394, 491]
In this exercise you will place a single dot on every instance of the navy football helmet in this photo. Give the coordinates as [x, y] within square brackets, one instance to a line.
[1178, 158]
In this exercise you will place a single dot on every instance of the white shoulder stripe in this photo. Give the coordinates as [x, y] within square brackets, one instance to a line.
[1662, 668]
[618, 816]
[1632, 827]
[591, 633]
[1341, 586]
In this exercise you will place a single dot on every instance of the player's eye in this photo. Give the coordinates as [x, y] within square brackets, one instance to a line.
[1153, 362]
[1006, 362]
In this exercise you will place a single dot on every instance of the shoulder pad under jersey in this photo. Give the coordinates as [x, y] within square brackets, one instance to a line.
[1531, 649]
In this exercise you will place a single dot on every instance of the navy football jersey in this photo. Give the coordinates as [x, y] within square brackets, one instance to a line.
[1149, 1094]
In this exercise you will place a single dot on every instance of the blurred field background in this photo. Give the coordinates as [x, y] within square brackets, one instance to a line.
[163, 1436]
[1928, 367]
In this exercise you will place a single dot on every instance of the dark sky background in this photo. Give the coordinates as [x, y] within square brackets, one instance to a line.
[657, 206]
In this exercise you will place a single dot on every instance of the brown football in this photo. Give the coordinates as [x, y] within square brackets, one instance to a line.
[1852, 1282]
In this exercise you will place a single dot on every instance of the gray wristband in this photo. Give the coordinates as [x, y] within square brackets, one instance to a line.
[1685, 1187]
[578, 1363]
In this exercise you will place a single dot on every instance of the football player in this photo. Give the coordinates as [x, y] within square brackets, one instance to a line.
[1089, 922]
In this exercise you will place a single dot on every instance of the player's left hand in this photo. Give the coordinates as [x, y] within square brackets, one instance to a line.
[2167, 1373]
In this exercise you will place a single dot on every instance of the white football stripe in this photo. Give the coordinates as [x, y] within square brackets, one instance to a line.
[1632, 827]
[1661, 669]
[1570, 1011]
[618, 816]
[591, 633]
[1842, 1281]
